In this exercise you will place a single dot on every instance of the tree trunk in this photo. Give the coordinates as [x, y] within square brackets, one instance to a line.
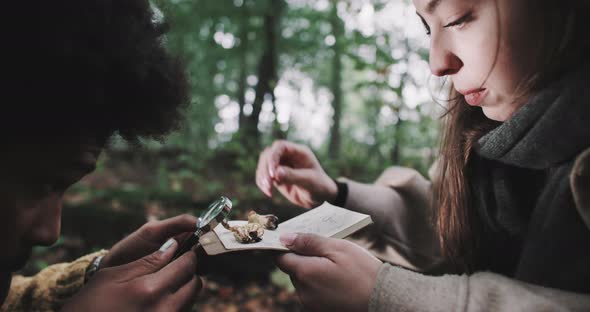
[243, 64]
[267, 72]
[277, 133]
[336, 85]
[394, 156]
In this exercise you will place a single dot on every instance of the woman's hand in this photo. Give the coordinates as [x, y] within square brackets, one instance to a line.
[148, 239]
[150, 283]
[295, 171]
[329, 274]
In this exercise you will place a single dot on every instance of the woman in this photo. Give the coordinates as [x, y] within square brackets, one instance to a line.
[512, 214]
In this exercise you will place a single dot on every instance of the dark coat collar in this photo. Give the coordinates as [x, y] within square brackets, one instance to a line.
[553, 127]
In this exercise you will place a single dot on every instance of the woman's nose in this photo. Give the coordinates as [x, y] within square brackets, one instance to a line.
[443, 61]
[47, 224]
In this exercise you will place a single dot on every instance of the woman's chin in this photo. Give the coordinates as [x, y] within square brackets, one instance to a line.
[500, 109]
[497, 113]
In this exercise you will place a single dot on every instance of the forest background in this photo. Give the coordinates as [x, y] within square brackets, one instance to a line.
[349, 78]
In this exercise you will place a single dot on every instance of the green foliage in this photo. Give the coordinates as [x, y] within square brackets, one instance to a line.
[225, 46]
[282, 280]
[224, 43]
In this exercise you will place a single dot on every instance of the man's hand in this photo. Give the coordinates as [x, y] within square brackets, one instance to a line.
[150, 283]
[148, 239]
[295, 171]
[329, 274]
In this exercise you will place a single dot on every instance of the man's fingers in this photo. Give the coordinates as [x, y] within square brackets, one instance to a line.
[184, 298]
[159, 231]
[150, 263]
[182, 237]
[177, 272]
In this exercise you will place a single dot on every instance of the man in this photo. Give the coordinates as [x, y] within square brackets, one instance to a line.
[75, 73]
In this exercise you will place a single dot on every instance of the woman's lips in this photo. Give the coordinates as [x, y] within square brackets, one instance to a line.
[475, 97]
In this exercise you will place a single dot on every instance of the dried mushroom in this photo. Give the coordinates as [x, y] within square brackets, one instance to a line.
[253, 231]
[249, 233]
[269, 222]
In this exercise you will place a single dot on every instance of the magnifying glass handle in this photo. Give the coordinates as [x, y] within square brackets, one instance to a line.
[186, 245]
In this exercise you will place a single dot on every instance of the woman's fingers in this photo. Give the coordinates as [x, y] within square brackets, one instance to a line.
[263, 180]
[300, 177]
[285, 163]
[290, 263]
[259, 174]
[276, 152]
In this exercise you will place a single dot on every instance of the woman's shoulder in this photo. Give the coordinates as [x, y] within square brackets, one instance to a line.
[580, 183]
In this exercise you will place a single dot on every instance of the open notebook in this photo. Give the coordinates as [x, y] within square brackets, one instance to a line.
[326, 220]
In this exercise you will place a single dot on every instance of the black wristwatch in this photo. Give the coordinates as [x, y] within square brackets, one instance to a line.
[341, 195]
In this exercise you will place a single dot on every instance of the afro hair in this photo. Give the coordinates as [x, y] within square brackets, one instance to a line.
[88, 67]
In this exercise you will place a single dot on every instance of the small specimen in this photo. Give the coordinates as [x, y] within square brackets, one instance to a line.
[253, 231]
[269, 222]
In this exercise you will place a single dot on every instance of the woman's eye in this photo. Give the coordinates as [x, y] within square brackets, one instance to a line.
[425, 26]
[461, 21]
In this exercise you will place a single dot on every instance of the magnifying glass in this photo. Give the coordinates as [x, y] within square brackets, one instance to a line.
[209, 219]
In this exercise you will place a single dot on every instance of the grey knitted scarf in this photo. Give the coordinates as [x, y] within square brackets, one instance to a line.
[530, 228]
[552, 128]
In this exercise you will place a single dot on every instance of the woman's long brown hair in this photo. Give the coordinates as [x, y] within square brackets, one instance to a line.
[563, 46]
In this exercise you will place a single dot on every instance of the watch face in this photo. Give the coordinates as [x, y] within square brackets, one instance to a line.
[218, 210]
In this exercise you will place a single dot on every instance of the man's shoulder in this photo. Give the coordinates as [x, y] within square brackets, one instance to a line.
[580, 183]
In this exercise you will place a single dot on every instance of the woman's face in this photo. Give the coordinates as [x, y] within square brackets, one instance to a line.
[486, 47]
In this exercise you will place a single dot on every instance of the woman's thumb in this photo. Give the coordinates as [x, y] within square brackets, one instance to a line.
[306, 244]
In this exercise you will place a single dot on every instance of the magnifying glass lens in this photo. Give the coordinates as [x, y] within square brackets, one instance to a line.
[214, 210]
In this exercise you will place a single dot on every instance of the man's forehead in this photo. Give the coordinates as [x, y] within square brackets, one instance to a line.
[38, 158]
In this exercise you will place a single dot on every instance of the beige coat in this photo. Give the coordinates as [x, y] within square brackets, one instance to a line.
[407, 240]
